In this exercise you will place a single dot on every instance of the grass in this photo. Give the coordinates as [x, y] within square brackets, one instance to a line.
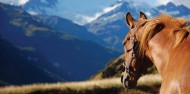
[148, 84]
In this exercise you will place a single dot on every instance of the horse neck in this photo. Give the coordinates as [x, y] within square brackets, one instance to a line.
[158, 50]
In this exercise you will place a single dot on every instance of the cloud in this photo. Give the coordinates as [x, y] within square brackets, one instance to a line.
[154, 3]
[163, 1]
[184, 2]
[110, 8]
[87, 19]
[32, 13]
[177, 2]
[14, 2]
[21, 2]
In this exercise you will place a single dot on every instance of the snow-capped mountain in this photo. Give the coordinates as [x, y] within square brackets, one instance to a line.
[67, 46]
[175, 10]
[79, 11]
[64, 56]
[111, 26]
[67, 26]
[133, 7]
[35, 7]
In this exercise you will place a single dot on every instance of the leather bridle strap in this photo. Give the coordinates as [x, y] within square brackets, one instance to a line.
[127, 67]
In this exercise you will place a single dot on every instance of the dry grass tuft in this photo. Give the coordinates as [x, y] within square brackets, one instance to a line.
[147, 84]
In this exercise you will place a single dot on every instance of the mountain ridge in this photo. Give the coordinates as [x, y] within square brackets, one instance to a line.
[174, 10]
[67, 26]
[21, 66]
[112, 28]
[68, 56]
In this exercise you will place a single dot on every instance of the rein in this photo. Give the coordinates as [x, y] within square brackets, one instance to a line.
[127, 67]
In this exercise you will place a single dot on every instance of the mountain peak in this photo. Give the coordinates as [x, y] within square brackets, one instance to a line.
[123, 5]
[39, 6]
[170, 4]
[109, 25]
[183, 6]
[174, 10]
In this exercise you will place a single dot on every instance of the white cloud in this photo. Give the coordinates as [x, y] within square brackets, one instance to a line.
[21, 2]
[163, 1]
[87, 19]
[170, 13]
[154, 3]
[184, 2]
[177, 2]
[14, 2]
[187, 17]
[148, 14]
[32, 13]
[110, 8]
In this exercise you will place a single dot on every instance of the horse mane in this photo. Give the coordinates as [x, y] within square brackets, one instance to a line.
[177, 32]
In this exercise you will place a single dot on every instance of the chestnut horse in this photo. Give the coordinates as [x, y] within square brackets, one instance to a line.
[162, 41]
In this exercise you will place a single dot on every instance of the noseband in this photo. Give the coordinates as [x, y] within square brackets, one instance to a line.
[127, 67]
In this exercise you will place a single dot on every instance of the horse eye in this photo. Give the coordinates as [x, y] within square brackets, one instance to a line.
[128, 38]
[125, 41]
[159, 27]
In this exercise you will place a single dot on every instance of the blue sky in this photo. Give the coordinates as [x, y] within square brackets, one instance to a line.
[103, 2]
[88, 5]
[150, 2]
[91, 6]
[90, 9]
[98, 3]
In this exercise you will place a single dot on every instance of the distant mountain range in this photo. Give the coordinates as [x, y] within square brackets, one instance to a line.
[39, 6]
[67, 26]
[60, 50]
[110, 27]
[23, 66]
[76, 10]
[174, 10]
[67, 58]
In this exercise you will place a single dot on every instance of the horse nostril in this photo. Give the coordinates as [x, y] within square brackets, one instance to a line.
[124, 78]
[126, 81]
[121, 78]
[123, 69]
[127, 78]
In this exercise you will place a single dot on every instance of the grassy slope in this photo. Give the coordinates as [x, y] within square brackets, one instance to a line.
[147, 84]
[114, 69]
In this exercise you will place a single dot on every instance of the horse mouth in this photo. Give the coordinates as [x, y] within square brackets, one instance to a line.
[127, 82]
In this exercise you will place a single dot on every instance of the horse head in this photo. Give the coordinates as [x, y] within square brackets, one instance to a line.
[134, 66]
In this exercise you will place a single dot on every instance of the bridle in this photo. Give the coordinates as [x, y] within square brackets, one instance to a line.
[127, 67]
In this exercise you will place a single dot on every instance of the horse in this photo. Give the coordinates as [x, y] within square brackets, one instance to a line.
[162, 41]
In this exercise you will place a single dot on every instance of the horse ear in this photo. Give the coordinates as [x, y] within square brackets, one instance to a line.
[142, 15]
[130, 20]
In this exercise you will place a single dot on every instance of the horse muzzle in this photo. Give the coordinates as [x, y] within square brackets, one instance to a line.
[127, 81]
